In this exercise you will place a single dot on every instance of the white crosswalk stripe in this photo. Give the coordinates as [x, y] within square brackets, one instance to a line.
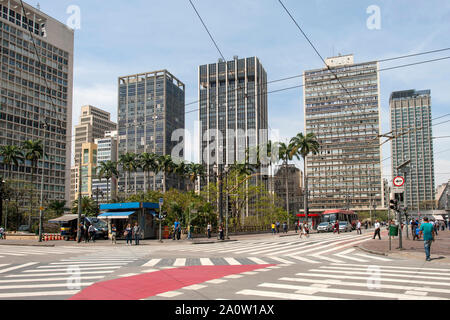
[350, 281]
[323, 248]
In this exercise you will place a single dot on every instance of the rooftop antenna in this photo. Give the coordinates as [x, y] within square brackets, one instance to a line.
[38, 6]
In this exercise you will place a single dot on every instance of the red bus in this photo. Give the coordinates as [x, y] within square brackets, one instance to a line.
[341, 215]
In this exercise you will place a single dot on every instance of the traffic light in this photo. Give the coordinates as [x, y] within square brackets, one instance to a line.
[394, 205]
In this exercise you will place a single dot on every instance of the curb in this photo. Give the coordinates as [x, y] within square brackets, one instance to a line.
[209, 242]
[371, 251]
[27, 245]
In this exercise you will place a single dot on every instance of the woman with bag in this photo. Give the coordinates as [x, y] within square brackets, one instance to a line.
[128, 234]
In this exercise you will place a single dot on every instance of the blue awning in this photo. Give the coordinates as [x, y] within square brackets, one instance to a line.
[116, 215]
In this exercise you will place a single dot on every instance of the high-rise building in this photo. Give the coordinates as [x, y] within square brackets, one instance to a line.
[233, 106]
[347, 170]
[294, 178]
[106, 151]
[411, 120]
[36, 94]
[151, 108]
[94, 123]
[88, 172]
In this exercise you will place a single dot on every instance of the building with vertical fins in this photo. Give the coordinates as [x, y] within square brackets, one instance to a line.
[411, 121]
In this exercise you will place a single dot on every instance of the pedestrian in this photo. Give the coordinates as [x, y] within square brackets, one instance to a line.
[414, 227]
[113, 234]
[208, 229]
[336, 227]
[221, 232]
[358, 227]
[304, 230]
[86, 232]
[177, 231]
[377, 230]
[273, 228]
[296, 226]
[92, 231]
[137, 233]
[80, 236]
[285, 230]
[366, 224]
[189, 228]
[128, 234]
[434, 226]
[426, 229]
[2, 232]
[278, 226]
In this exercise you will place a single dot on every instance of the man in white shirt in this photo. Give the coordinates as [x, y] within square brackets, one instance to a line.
[377, 230]
[358, 227]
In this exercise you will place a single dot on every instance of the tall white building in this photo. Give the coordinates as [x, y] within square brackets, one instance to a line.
[36, 94]
[411, 114]
[106, 151]
[347, 171]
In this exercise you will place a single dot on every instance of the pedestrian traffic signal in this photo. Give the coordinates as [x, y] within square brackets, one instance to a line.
[394, 205]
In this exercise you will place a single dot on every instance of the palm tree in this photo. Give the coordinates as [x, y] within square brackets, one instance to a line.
[107, 170]
[11, 156]
[285, 155]
[34, 151]
[129, 163]
[166, 165]
[303, 146]
[57, 207]
[195, 171]
[182, 171]
[148, 163]
[88, 207]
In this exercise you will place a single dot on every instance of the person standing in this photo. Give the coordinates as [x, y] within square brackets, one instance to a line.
[2, 231]
[221, 232]
[278, 226]
[427, 230]
[336, 227]
[128, 234]
[113, 234]
[86, 232]
[92, 231]
[208, 230]
[296, 226]
[285, 227]
[176, 227]
[377, 230]
[273, 228]
[358, 227]
[136, 233]
[413, 229]
[366, 224]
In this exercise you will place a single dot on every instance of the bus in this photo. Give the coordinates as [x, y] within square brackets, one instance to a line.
[331, 216]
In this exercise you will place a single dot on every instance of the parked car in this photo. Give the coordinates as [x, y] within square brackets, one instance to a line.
[324, 227]
[345, 226]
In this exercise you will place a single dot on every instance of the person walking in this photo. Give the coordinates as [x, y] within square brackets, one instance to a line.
[92, 231]
[177, 230]
[113, 234]
[273, 228]
[208, 230]
[366, 224]
[413, 229]
[128, 234]
[221, 232]
[189, 230]
[358, 227]
[285, 230]
[377, 230]
[137, 233]
[278, 226]
[336, 227]
[296, 226]
[86, 232]
[427, 230]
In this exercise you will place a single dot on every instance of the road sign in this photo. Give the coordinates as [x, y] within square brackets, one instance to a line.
[399, 181]
[161, 202]
[398, 190]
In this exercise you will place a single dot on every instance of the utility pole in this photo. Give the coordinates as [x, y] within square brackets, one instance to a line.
[80, 180]
[405, 171]
[41, 208]
[220, 173]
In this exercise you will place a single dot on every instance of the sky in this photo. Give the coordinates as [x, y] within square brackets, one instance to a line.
[118, 38]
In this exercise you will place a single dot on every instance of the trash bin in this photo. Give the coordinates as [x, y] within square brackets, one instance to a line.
[393, 230]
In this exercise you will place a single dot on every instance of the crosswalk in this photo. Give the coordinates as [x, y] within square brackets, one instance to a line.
[63, 278]
[25, 251]
[357, 281]
[314, 250]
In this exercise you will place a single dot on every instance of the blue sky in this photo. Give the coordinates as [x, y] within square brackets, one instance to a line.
[118, 38]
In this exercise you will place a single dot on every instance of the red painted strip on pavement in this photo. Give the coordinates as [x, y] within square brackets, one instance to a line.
[150, 284]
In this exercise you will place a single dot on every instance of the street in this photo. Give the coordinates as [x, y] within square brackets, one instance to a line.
[258, 267]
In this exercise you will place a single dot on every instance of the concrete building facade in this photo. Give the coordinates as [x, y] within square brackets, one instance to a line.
[294, 178]
[411, 120]
[347, 170]
[36, 94]
[150, 109]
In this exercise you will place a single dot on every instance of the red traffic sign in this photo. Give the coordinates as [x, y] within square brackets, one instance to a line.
[399, 181]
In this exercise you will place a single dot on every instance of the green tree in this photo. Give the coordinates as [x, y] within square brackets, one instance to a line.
[33, 151]
[56, 208]
[195, 171]
[88, 207]
[149, 164]
[285, 155]
[107, 170]
[11, 155]
[303, 145]
[129, 163]
[166, 165]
